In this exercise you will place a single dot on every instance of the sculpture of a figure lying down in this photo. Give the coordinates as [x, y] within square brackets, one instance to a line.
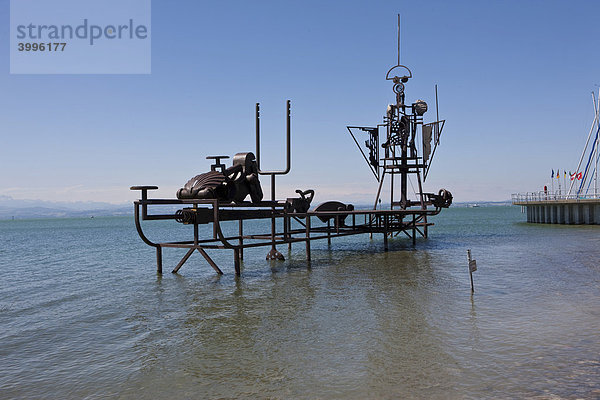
[232, 184]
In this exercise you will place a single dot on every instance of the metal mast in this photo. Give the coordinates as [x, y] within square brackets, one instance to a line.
[405, 132]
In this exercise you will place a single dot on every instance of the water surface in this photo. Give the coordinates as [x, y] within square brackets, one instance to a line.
[84, 315]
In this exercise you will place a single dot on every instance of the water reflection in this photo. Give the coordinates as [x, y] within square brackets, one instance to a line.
[359, 324]
[356, 325]
[475, 334]
[366, 324]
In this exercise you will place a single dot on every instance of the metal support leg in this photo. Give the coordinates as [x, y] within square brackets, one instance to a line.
[183, 260]
[210, 261]
[308, 239]
[158, 260]
[414, 233]
[329, 232]
[289, 227]
[385, 233]
[241, 233]
[236, 256]
[274, 254]
[379, 190]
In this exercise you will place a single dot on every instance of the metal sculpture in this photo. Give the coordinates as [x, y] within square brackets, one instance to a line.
[400, 151]
[232, 184]
[221, 194]
[402, 124]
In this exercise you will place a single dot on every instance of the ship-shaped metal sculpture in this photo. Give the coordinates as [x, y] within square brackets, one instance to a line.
[402, 146]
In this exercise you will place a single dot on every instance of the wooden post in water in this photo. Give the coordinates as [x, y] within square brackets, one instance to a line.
[472, 268]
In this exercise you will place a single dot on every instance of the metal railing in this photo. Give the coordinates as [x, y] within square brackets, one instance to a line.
[548, 196]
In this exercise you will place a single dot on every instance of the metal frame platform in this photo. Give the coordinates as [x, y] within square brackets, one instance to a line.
[386, 222]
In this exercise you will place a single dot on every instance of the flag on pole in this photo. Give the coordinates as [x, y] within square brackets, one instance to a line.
[558, 174]
[572, 175]
[579, 176]
[552, 176]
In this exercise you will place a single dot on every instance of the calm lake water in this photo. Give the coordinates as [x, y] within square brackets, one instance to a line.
[83, 314]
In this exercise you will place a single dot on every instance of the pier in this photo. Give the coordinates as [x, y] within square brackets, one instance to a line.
[546, 208]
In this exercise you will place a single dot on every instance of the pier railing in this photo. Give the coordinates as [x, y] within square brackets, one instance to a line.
[534, 197]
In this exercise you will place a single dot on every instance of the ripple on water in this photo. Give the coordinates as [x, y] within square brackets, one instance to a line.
[87, 317]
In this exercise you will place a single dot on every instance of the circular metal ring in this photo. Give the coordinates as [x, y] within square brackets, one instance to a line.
[398, 88]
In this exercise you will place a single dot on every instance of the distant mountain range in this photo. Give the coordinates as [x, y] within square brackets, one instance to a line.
[20, 209]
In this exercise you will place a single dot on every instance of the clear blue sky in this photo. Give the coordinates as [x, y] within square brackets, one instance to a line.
[514, 79]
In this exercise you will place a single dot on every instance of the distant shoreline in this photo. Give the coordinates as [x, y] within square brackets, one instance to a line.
[15, 213]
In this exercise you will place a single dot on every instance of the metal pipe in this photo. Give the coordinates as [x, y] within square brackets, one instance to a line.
[272, 187]
[414, 231]
[236, 261]
[385, 233]
[210, 261]
[308, 239]
[287, 227]
[138, 225]
[183, 260]
[257, 125]
[287, 142]
[241, 232]
[398, 39]
[158, 260]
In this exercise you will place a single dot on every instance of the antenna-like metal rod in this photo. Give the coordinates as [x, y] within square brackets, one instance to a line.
[257, 125]
[437, 110]
[398, 39]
